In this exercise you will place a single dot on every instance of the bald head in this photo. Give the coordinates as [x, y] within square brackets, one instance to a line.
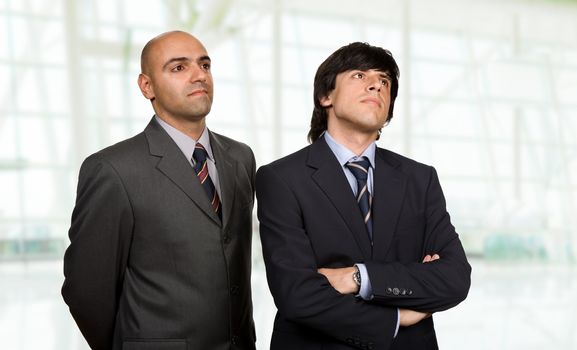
[158, 41]
[176, 77]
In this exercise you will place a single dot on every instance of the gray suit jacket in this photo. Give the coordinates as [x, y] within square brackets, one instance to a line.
[150, 265]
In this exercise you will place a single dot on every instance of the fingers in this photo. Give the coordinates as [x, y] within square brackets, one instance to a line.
[429, 258]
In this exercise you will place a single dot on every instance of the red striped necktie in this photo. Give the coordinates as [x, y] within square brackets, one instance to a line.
[200, 167]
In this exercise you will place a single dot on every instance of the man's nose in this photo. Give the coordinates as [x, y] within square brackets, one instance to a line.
[198, 74]
[375, 84]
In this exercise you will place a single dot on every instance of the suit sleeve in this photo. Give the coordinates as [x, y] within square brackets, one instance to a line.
[434, 286]
[302, 295]
[252, 170]
[95, 261]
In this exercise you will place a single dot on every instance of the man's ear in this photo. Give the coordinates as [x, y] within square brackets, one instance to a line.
[326, 101]
[145, 86]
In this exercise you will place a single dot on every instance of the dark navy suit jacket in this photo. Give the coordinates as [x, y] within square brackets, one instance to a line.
[309, 219]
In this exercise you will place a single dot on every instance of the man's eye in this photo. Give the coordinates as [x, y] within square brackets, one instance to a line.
[358, 75]
[206, 66]
[178, 68]
[384, 82]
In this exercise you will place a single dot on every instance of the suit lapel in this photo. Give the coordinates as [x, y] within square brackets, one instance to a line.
[389, 187]
[175, 166]
[225, 166]
[331, 179]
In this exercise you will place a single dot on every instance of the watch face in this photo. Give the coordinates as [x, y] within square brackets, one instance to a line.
[357, 277]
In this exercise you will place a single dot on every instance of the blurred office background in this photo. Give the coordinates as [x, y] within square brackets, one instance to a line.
[488, 95]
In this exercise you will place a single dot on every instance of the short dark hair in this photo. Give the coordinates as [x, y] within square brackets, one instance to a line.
[357, 55]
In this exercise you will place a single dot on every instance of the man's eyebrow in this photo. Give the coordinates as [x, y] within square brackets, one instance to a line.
[382, 74]
[385, 75]
[185, 59]
[175, 59]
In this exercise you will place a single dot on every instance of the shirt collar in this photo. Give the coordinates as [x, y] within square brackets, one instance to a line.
[344, 155]
[185, 142]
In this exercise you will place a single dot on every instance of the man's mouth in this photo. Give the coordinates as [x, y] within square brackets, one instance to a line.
[372, 100]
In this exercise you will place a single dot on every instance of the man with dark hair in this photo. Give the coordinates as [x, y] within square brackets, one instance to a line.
[358, 245]
[359, 56]
[160, 240]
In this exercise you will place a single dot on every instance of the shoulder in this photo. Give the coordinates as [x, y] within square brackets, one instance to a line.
[288, 169]
[124, 154]
[289, 162]
[123, 149]
[420, 174]
[234, 147]
[404, 164]
[397, 159]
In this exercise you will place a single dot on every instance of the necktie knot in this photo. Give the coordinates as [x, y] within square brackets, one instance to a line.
[360, 168]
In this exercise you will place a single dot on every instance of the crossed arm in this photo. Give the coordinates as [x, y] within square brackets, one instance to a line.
[294, 241]
[341, 279]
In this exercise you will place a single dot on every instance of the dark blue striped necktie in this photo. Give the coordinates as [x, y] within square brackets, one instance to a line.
[201, 168]
[360, 169]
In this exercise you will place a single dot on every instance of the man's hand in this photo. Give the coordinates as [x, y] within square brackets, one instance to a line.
[411, 317]
[341, 279]
[430, 258]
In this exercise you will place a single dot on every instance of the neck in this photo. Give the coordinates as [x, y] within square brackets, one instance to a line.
[192, 128]
[355, 141]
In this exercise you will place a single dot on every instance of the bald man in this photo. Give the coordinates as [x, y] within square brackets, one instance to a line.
[161, 232]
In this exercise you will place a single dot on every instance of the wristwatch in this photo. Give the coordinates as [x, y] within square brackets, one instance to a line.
[357, 277]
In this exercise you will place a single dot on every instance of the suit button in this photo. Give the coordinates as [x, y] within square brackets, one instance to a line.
[234, 339]
[226, 239]
[370, 346]
[389, 290]
[403, 291]
[234, 290]
[350, 341]
[410, 292]
[396, 291]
